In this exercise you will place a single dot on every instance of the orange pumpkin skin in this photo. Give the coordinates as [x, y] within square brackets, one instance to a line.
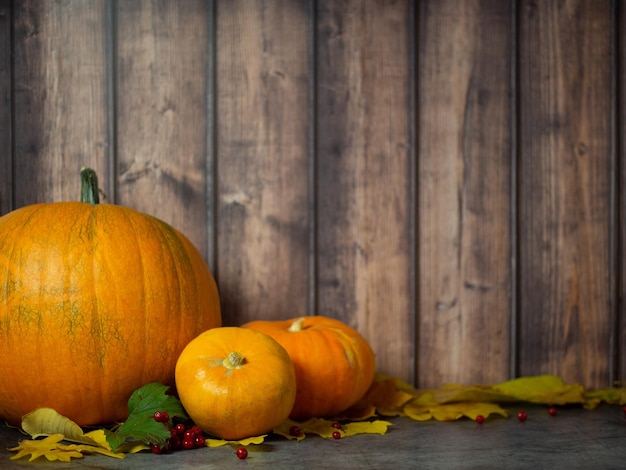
[96, 300]
[230, 399]
[334, 364]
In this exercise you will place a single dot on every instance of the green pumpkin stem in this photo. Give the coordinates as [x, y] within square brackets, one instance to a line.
[297, 325]
[234, 360]
[89, 186]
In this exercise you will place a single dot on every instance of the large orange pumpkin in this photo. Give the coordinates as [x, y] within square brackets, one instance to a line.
[96, 300]
[235, 382]
[334, 364]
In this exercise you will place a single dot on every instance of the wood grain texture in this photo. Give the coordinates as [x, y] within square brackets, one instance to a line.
[60, 99]
[619, 352]
[565, 169]
[161, 106]
[364, 186]
[433, 173]
[6, 152]
[262, 140]
[465, 243]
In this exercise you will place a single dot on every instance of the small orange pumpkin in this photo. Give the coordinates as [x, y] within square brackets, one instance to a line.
[96, 300]
[334, 364]
[235, 383]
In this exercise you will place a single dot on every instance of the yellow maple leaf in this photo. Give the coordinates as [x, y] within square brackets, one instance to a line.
[542, 389]
[611, 395]
[324, 428]
[452, 393]
[364, 427]
[48, 422]
[242, 442]
[452, 411]
[48, 448]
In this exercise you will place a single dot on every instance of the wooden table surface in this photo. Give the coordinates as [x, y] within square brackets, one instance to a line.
[574, 439]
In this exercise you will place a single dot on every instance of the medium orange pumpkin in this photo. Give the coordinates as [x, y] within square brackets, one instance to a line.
[334, 364]
[235, 383]
[96, 300]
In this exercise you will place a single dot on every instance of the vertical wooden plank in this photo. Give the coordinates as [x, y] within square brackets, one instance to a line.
[566, 107]
[6, 154]
[262, 141]
[161, 71]
[464, 169]
[60, 97]
[365, 183]
[620, 212]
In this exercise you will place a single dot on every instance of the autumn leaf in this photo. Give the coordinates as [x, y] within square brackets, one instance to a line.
[452, 393]
[242, 442]
[611, 395]
[46, 421]
[453, 411]
[542, 389]
[387, 397]
[52, 449]
[364, 427]
[324, 428]
[48, 448]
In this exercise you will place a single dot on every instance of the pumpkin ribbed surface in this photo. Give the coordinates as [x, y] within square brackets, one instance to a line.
[236, 383]
[334, 364]
[96, 300]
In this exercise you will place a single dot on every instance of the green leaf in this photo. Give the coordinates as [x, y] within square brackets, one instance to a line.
[153, 397]
[140, 425]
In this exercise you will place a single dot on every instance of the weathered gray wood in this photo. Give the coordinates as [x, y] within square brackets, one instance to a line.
[566, 106]
[161, 107]
[574, 439]
[60, 100]
[464, 218]
[364, 189]
[262, 141]
[6, 153]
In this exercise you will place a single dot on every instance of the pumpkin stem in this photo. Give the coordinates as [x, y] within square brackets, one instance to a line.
[89, 186]
[234, 360]
[297, 325]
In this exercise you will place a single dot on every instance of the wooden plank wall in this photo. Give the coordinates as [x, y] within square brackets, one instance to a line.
[447, 176]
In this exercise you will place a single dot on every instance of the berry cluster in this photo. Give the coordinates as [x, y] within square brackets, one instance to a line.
[181, 436]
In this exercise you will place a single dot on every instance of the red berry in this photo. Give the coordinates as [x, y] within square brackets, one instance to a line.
[295, 431]
[552, 411]
[336, 435]
[521, 415]
[175, 443]
[179, 429]
[200, 441]
[480, 419]
[156, 449]
[242, 453]
[161, 416]
[189, 443]
[336, 425]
